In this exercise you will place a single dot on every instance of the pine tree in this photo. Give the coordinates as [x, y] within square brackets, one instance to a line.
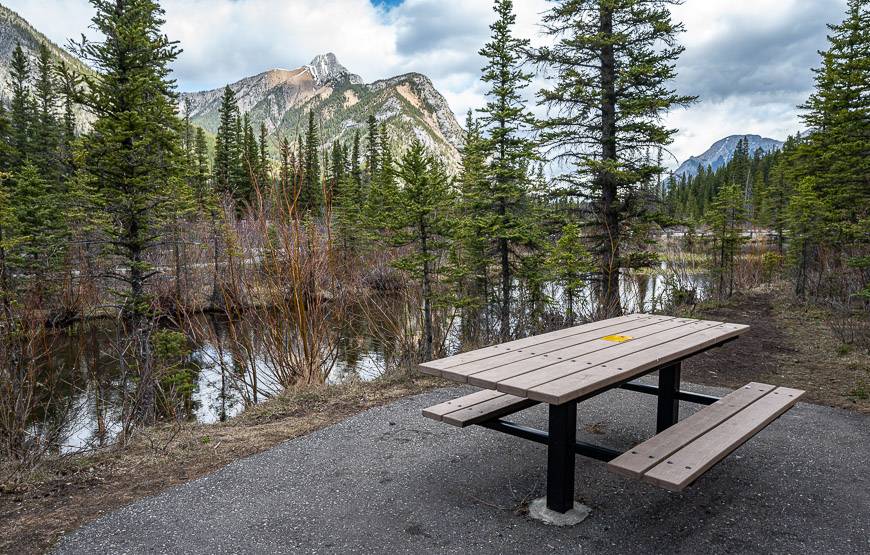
[806, 220]
[201, 187]
[373, 149]
[569, 264]
[837, 151]
[355, 167]
[612, 61]
[226, 151]
[726, 217]
[263, 162]
[41, 239]
[311, 195]
[45, 131]
[506, 123]
[418, 218]
[20, 107]
[472, 258]
[131, 158]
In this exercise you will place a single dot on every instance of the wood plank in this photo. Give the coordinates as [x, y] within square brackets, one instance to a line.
[463, 372]
[494, 408]
[435, 366]
[595, 349]
[566, 377]
[683, 467]
[639, 459]
[436, 412]
[577, 384]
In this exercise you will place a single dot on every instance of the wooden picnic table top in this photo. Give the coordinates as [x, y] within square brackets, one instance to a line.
[567, 364]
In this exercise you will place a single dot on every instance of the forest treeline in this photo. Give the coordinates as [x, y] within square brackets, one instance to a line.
[108, 211]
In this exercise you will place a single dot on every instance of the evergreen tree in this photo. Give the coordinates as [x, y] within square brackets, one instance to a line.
[612, 61]
[373, 148]
[226, 157]
[41, 240]
[311, 195]
[45, 131]
[472, 259]
[726, 217]
[569, 264]
[201, 186]
[131, 158]
[837, 151]
[20, 107]
[355, 167]
[263, 162]
[805, 218]
[420, 212]
[506, 123]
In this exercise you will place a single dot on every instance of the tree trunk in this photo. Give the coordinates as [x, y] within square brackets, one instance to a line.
[505, 315]
[427, 294]
[146, 390]
[609, 301]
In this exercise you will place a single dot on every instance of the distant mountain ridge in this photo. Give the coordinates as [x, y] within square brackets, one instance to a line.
[282, 98]
[722, 151]
[14, 29]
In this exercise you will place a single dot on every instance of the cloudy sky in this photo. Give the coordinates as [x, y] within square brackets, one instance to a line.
[748, 60]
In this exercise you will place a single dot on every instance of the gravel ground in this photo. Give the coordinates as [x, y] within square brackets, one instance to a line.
[389, 480]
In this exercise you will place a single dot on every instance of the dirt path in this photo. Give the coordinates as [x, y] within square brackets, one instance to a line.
[787, 345]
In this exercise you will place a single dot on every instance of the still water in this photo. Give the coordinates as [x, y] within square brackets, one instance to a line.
[218, 384]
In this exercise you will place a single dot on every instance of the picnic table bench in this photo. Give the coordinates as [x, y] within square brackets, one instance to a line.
[565, 367]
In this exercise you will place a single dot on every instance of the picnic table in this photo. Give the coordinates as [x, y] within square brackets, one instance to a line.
[565, 367]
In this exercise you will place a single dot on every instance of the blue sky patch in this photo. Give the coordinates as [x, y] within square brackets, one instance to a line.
[388, 4]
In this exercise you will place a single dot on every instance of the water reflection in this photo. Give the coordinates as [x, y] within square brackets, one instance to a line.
[225, 379]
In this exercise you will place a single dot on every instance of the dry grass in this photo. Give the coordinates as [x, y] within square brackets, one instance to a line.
[62, 495]
[788, 344]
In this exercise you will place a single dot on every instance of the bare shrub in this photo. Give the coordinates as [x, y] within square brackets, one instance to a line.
[31, 408]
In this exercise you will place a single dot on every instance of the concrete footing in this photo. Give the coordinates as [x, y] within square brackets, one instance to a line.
[539, 511]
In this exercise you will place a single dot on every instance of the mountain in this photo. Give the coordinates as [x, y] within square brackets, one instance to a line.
[282, 98]
[14, 30]
[722, 151]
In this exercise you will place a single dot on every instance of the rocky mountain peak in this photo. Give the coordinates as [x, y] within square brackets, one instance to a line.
[325, 68]
[722, 151]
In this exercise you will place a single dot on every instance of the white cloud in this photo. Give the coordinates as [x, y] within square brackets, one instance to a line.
[749, 59]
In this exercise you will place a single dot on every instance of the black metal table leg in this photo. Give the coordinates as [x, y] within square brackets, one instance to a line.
[560, 457]
[669, 403]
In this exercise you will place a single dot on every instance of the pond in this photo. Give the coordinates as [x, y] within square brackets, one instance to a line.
[217, 372]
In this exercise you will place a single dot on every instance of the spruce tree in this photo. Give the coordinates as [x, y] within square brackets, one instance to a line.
[472, 256]
[20, 107]
[506, 123]
[837, 151]
[726, 218]
[201, 187]
[418, 220]
[373, 149]
[40, 243]
[807, 217]
[263, 162]
[612, 61]
[131, 158]
[569, 265]
[45, 130]
[311, 195]
[226, 151]
[355, 167]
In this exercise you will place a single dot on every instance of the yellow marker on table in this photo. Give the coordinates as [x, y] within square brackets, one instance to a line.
[617, 338]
